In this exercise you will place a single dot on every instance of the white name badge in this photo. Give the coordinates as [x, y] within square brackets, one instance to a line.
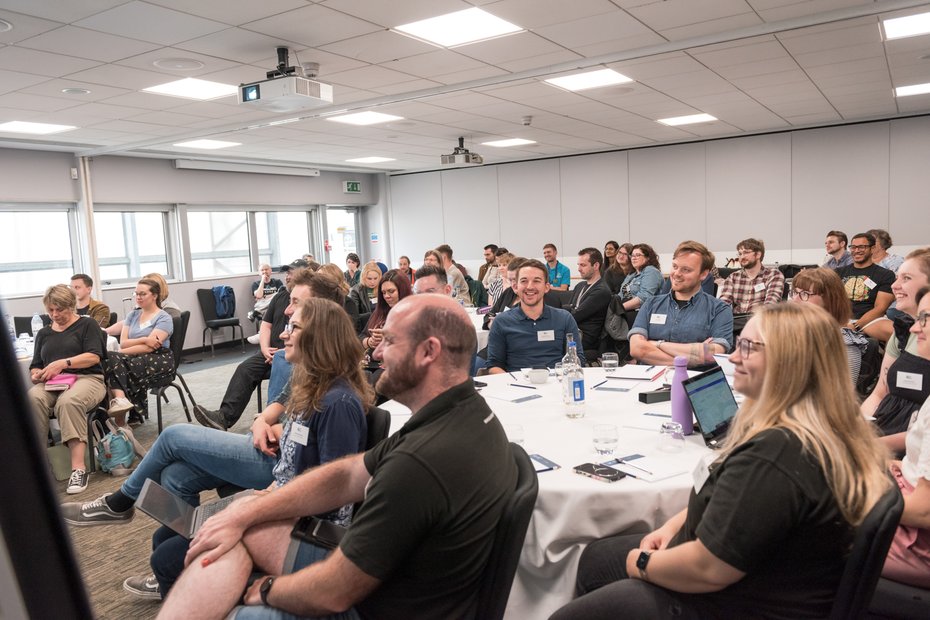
[759, 287]
[910, 380]
[657, 319]
[702, 471]
[545, 335]
[146, 324]
[870, 283]
[300, 433]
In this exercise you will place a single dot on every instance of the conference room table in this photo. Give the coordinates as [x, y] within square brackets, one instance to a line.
[572, 510]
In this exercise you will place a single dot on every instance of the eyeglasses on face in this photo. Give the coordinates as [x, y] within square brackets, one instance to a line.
[922, 319]
[747, 346]
[637, 255]
[802, 295]
[290, 328]
[855, 248]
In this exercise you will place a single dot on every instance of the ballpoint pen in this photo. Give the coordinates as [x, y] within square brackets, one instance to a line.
[599, 384]
[529, 387]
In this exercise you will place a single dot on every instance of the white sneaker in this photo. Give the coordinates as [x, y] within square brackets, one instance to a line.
[119, 406]
[254, 339]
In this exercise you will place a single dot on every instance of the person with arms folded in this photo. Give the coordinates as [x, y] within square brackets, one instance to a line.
[904, 380]
[770, 522]
[352, 272]
[362, 296]
[418, 545]
[686, 320]
[531, 335]
[74, 347]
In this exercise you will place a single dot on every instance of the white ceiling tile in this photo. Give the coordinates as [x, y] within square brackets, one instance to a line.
[127, 77]
[716, 26]
[24, 26]
[533, 62]
[511, 47]
[379, 47]
[479, 73]
[762, 67]
[391, 14]
[664, 16]
[616, 27]
[830, 36]
[13, 80]
[146, 62]
[85, 43]
[236, 44]
[777, 10]
[233, 12]
[53, 88]
[536, 14]
[64, 12]
[15, 114]
[140, 20]
[34, 103]
[368, 77]
[313, 25]
[433, 63]
[717, 57]
[404, 87]
[14, 58]
[146, 101]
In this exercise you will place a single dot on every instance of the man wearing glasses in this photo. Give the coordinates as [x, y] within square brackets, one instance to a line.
[753, 285]
[867, 285]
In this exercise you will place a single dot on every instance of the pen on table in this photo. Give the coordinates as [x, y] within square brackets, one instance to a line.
[599, 384]
[650, 368]
[629, 464]
[511, 376]
[529, 387]
[658, 415]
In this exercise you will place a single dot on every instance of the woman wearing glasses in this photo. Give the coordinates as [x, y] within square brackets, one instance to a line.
[644, 281]
[904, 381]
[822, 287]
[909, 557]
[618, 268]
[327, 396]
[144, 358]
[769, 524]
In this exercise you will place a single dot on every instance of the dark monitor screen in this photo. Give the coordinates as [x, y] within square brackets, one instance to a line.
[36, 545]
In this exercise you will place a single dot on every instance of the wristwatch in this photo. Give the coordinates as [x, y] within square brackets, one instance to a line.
[659, 345]
[68, 361]
[641, 563]
[265, 588]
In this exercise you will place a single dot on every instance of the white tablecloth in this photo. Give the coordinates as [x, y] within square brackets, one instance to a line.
[572, 510]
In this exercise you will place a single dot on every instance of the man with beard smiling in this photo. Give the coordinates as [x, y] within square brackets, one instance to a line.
[686, 320]
[753, 285]
[420, 542]
[532, 335]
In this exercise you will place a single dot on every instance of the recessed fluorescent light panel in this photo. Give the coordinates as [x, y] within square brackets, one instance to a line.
[34, 128]
[370, 160]
[459, 28]
[509, 142]
[914, 89]
[365, 118]
[192, 88]
[590, 79]
[909, 26]
[687, 120]
[208, 144]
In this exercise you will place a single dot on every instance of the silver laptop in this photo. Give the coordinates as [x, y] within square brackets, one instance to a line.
[713, 404]
[165, 507]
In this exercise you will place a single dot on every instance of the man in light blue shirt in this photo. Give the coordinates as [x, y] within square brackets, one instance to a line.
[685, 321]
[559, 275]
[532, 335]
[835, 245]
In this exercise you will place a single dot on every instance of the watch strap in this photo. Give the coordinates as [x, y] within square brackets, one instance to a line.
[265, 589]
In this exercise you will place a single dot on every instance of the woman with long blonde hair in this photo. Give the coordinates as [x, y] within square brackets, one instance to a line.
[769, 525]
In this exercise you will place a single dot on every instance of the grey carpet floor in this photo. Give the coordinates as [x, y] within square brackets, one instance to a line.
[108, 554]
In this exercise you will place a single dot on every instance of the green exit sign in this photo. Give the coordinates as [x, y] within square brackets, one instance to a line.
[351, 187]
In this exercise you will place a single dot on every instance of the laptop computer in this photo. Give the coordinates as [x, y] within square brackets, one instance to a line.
[165, 507]
[713, 404]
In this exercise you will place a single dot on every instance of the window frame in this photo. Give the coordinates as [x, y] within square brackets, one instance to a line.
[71, 211]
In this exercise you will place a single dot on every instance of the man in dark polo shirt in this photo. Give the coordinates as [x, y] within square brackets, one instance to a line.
[420, 542]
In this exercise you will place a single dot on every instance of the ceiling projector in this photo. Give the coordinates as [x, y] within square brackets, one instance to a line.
[461, 157]
[284, 91]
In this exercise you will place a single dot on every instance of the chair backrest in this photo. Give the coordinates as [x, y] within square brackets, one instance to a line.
[379, 426]
[870, 367]
[207, 303]
[178, 336]
[508, 540]
[869, 549]
[113, 319]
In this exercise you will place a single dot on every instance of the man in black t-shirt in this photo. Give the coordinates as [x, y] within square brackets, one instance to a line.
[419, 544]
[867, 285]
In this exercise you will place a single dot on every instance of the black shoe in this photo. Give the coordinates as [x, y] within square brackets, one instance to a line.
[210, 418]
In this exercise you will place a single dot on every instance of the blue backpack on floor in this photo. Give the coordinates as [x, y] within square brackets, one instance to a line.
[115, 448]
[225, 301]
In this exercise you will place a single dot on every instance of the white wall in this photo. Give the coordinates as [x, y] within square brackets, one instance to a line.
[787, 189]
[37, 176]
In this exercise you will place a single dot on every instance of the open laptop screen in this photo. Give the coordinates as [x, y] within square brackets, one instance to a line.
[712, 401]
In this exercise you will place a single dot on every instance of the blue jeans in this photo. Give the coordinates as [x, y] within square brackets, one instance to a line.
[167, 560]
[280, 375]
[187, 459]
[307, 554]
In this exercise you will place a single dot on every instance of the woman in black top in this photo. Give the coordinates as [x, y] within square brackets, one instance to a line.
[770, 522]
[73, 346]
